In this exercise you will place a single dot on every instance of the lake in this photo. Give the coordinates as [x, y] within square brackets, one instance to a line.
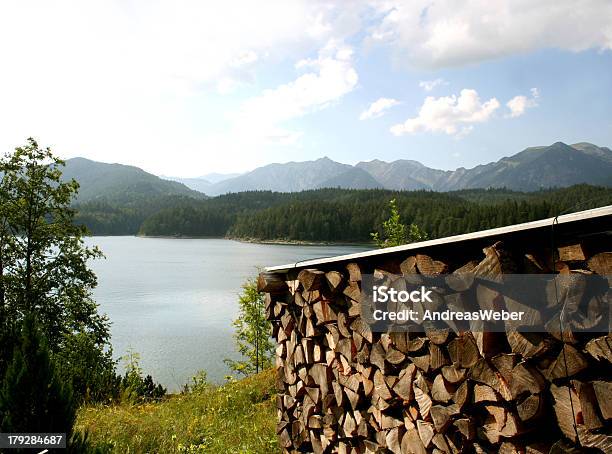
[173, 300]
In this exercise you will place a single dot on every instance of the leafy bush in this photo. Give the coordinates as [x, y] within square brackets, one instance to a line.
[396, 233]
[135, 388]
[199, 383]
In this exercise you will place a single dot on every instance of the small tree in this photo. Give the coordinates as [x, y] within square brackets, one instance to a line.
[33, 397]
[44, 267]
[135, 388]
[396, 233]
[252, 333]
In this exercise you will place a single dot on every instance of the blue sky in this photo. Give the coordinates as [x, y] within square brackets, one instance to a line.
[189, 88]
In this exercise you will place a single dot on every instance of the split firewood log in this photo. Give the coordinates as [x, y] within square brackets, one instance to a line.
[430, 267]
[464, 351]
[441, 391]
[568, 363]
[496, 263]
[361, 327]
[395, 357]
[528, 344]
[601, 263]
[393, 440]
[423, 400]
[441, 416]
[377, 356]
[600, 348]
[354, 271]
[572, 253]
[588, 404]
[599, 441]
[466, 428]
[567, 408]
[403, 386]
[484, 393]
[335, 280]
[462, 395]
[453, 374]
[426, 432]
[324, 312]
[408, 266]
[380, 386]
[412, 443]
[270, 282]
[462, 278]
[603, 392]
[321, 375]
[530, 408]
[526, 379]
[311, 279]
[483, 373]
[353, 292]
[438, 336]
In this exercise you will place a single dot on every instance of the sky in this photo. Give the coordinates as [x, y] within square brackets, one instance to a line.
[185, 88]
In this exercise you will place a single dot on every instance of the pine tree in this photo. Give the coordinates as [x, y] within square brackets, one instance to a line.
[252, 333]
[32, 396]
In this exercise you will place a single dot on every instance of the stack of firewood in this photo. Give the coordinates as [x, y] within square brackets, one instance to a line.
[344, 388]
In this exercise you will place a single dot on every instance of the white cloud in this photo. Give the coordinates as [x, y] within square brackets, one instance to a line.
[447, 32]
[331, 76]
[519, 104]
[452, 115]
[378, 107]
[132, 81]
[429, 85]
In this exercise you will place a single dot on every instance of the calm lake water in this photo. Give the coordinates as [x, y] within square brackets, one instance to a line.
[173, 300]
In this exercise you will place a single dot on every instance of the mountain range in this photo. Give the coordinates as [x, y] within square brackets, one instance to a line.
[117, 181]
[203, 183]
[556, 165]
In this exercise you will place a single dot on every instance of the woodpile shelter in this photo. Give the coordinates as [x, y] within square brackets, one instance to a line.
[344, 387]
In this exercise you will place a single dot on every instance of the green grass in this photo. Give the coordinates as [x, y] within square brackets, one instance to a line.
[238, 417]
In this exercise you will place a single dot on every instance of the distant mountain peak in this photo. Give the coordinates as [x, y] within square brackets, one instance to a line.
[532, 168]
[100, 180]
[555, 165]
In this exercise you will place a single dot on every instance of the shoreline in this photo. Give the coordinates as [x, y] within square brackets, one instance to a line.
[247, 240]
[302, 242]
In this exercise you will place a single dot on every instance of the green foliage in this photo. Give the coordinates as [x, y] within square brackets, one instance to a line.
[33, 397]
[91, 370]
[253, 331]
[345, 215]
[120, 183]
[238, 417]
[396, 233]
[136, 388]
[44, 267]
[199, 383]
[124, 215]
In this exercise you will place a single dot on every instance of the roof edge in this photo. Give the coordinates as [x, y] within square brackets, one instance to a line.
[566, 218]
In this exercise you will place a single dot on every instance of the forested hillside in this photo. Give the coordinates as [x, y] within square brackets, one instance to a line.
[333, 215]
[351, 217]
[99, 180]
[109, 216]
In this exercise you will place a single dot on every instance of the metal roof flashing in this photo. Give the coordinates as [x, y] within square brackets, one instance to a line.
[564, 219]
